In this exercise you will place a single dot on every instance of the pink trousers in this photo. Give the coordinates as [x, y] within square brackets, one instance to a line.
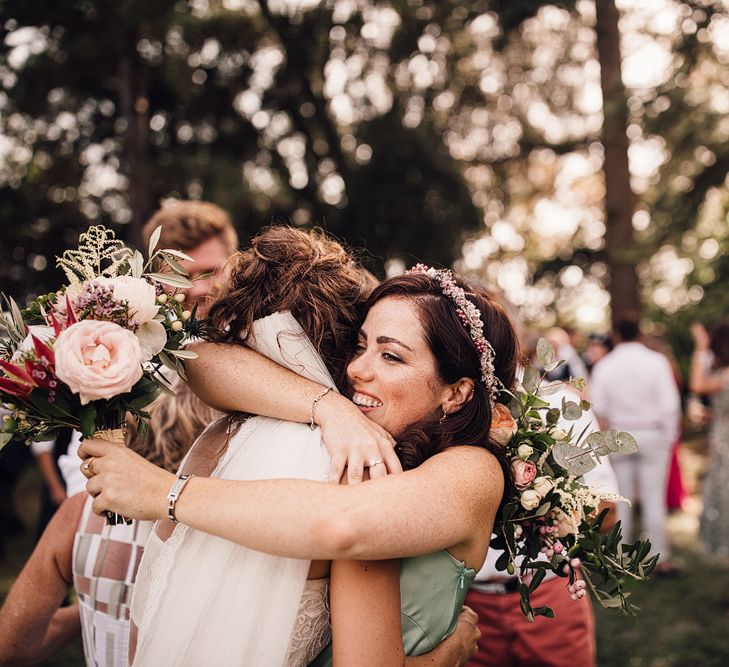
[509, 640]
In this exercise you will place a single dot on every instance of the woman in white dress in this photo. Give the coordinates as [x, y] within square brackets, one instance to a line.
[427, 413]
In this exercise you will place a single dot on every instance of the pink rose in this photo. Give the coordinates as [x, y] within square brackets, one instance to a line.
[524, 472]
[98, 359]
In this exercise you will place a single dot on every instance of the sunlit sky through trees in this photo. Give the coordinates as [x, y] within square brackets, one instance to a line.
[521, 120]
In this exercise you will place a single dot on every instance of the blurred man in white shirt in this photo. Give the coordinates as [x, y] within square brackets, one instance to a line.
[633, 389]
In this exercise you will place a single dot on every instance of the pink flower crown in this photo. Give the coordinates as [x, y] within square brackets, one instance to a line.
[470, 317]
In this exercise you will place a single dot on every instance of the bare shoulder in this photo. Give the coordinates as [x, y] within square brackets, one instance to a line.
[474, 472]
[464, 458]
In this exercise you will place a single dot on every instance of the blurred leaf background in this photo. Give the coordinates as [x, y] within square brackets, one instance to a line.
[479, 133]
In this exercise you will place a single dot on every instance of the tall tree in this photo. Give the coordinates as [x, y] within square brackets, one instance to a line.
[619, 196]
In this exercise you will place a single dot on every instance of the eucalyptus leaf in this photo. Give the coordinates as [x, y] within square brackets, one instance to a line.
[602, 442]
[626, 443]
[530, 381]
[170, 279]
[550, 388]
[571, 410]
[577, 383]
[575, 460]
[545, 355]
[154, 240]
[5, 438]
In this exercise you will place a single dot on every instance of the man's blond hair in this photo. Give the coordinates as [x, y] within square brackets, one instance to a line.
[186, 224]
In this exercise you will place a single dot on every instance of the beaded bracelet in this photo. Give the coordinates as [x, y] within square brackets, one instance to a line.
[312, 424]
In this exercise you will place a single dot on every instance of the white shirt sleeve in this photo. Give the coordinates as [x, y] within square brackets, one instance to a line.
[69, 464]
[667, 400]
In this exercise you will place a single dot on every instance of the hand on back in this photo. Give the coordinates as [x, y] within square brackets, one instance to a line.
[355, 443]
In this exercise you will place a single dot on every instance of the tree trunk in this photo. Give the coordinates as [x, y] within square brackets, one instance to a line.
[619, 198]
[135, 103]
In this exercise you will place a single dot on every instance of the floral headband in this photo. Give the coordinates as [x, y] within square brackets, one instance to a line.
[470, 317]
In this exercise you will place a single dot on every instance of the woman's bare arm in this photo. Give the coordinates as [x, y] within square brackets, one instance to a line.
[33, 625]
[366, 629]
[234, 378]
[365, 603]
[447, 501]
[701, 381]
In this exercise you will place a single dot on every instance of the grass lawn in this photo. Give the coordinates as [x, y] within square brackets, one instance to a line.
[684, 621]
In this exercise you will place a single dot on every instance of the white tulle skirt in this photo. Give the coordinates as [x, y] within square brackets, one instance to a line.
[201, 600]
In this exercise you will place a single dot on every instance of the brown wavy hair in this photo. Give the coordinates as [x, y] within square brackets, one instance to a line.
[456, 357]
[305, 272]
[186, 224]
[175, 422]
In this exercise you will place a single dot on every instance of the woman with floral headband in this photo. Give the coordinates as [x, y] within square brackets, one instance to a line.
[430, 357]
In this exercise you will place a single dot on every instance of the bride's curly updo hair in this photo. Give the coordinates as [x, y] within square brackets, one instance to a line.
[456, 357]
[305, 272]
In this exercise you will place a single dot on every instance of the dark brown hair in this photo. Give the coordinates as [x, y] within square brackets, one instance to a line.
[304, 272]
[456, 357]
[719, 344]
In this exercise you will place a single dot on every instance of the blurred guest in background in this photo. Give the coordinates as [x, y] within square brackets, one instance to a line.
[53, 489]
[710, 376]
[598, 346]
[633, 389]
[562, 344]
[15, 456]
[204, 232]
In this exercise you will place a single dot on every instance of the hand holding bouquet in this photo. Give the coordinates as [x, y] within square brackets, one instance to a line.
[551, 521]
[91, 353]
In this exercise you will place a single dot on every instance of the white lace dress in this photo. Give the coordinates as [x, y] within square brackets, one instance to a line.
[201, 600]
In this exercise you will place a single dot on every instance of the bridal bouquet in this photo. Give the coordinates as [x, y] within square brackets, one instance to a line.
[551, 522]
[91, 353]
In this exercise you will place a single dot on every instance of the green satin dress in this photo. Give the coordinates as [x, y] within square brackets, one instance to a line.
[432, 590]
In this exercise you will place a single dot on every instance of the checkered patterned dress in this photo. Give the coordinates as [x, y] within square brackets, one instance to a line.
[105, 561]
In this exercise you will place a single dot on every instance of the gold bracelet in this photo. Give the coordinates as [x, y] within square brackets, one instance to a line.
[312, 424]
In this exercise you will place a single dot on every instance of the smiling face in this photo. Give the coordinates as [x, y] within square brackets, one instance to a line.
[393, 374]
